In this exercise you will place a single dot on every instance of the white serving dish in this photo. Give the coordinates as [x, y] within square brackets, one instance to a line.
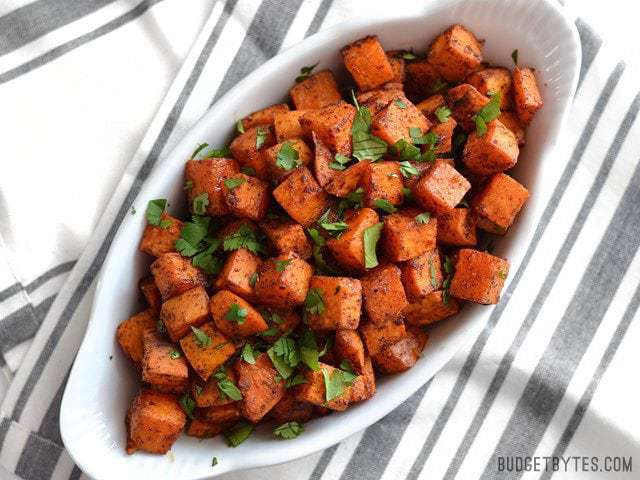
[98, 391]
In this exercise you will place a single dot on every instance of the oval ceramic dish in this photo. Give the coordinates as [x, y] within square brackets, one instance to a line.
[99, 391]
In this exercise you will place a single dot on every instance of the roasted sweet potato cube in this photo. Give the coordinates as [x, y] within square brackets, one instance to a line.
[383, 294]
[265, 116]
[157, 240]
[348, 346]
[398, 356]
[494, 152]
[526, 96]
[280, 321]
[239, 273]
[287, 125]
[420, 334]
[321, 160]
[129, 333]
[421, 80]
[498, 203]
[393, 122]
[175, 274]
[342, 300]
[455, 53]
[221, 414]
[376, 100]
[348, 249]
[314, 390]
[429, 105]
[444, 131]
[280, 159]
[407, 235]
[465, 101]
[288, 409]
[511, 121]
[202, 429]
[376, 337]
[493, 80]
[316, 91]
[248, 199]
[457, 227]
[430, 309]
[346, 181]
[186, 310]
[245, 148]
[440, 188]
[397, 65]
[422, 275]
[207, 176]
[235, 225]
[259, 387]
[287, 237]
[207, 394]
[234, 316]
[159, 367]
[367, 63]
[206, 357]
[301, 196]
[479, 276]
[364, 386]
[283, 281]
[151, 294]
[332, 124]
[412, 180]
[382, 181]
[154, 422]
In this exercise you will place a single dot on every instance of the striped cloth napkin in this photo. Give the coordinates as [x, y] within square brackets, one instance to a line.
[553, 373]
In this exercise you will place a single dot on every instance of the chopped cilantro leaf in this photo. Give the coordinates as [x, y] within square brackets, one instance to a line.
[253, 279]
[370, 240]
[244, 237]
[316, 237]
[247, 170]
[281, 265]
[297, 379]
[288, 430]
[217, 152]
[238, 434]
[239, 126]
[305, 72]
[514, 57]
[232, 183]
[236, 314]
[423, 217]
[200, 203]
[173, 354]
[399, 103]
[287, 158]
[285, 356]
[248, 354]
[188, 404]
[214, 462]
[408, 170]
[340, 162]
[489, 112]
[226, 387]
[165, 223]
[200, 147]
[314, 303]
[384, 205]
[188, 185]
[261, 137]
[201, 338]
[442, 114]
[155, 209]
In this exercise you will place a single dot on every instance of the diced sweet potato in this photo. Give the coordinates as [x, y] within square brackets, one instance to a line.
[249, 199]
[287, 237]
[332, 124]
[221, 414]
[429, 105]
[397, 65]
[154, 422]
[465, 101]
[346, 181]
[421, 79]
[237, 273]
[430, 309]
[288, 409]
[348, 346]
[493, 80]
[205, 358]
[233, 226]
[202, 429]
[207, 176]
[129, 333]
[367, 63]
[159, 367]
[455, 53]
[376, 100]
[157, 240]
[526, 96]
[245, 148]
[282, 320]
[457, 227]
[398, 356]
[260, 390]
[287, 125]
[383, 294]
[278, 169]
[422, 275]
[314, 390]
[498, 203]
[321, 160]
[348, 249]
[393, 122]
[494, 152]
[511, 121]
[382, 181]
[151, 294]
[264, 116]
[241, 320]
[207, 394]
[420, 334]
[444, 131]
[342, 300]
[174, 274]
[364, 386]
[301, 196]
[412, 180]
[440, 188]
[405, 236]
[479, 276]
[376, 337]
[316, 91]
[283, 281]
[186, 310]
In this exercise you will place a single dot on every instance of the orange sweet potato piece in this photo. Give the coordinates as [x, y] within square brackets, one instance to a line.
[382, 181]
[479, 276]
[405, 235]
[237, 273]
[287, 125]
[457, 227]
[321, 160]
[129, 333]
[249, 199]
[440, 188]
[493, 80]
[444, 131]
[348, 346]
[207, 176]
[287, 237]
[342, 299]
[511, 121]
[494, 152]
[364, 386]
[314, 390]
[265, 116]
[276, 169]
[376, 337]
[332, 124]
[154, 422]
[397, 65]
[282, 320]
[234, 316]
[498, 203]
[159, 368]
[526, 96]
[151, 294]
[207, 394]
[316, 91]
[260, 390]
[455, 53]
[421, 80]
[301, 196]
[465, 101]
[186, 310]
[175, 274]
[422, 275]
[157, 240]
[288, 409]
[376, 100]
[346, 181]
[206, 358]
[398, 356]
[430, 309]
[367, 63]
[202, 429]
[245, 148]
[383, 295]
[393, 122]
[283, 281]
[429, 105]
[348, 249]
[221, 414]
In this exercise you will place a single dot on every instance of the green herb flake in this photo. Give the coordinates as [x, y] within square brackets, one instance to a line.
[232, 183]
[370, 239]
[305, 72]
[287, 158]
[226, 387]
[502, 274]
[160, 326]
[288, 430]
[188, 185]
[248, 354]
[253, 279]
[439, 86]
[202, 339]
[214, 462]
[244, 237]
[261, 137]
[155, 209]
[281, 265]
[423, 217]
[238, 434]
[247, 170]
[314, 303]
[442, 114]
[200, 203]
[514, 57]
[239, 126]
[384, 205]
[409, 55]
[448, 266]
[165, 223]
[174, 354]
[188, 404]
[399, 103]
[433, 273]
[198, 389]
[316, 237]
[366, 146]
[269, 332]
[340, 162]
[408, 170]
[297, 379]
[198, 149]
[285, 356]
[236, 314]
[133, 210]
[223, 152]
[489, 112]
[335, 383]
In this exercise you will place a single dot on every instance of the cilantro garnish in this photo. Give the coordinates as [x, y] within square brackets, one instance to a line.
[489, 112]
[248, 354]
[261, 136]
[408, 170]
[366, 146]
[336, 382]
[238, 434]
[297, 379]
[200, 203]
[288, 430]
[442, 114]
[247, 170]
[314, 303]
[239, 126]
[214, 462]
[439, 86]
[188, 404]
[174, 354]
[244, 237]
[281, 265]
[155, 209]
[232, 183]
[514, 57]
[399, 103]
[423, 217]
[236, 314]
[384, 205]
[285, 356]
[253, 279]
[305, 72]
[370, 240]
[340, 162]
[226, 387]
[287, 158]
[188, 185]
[200, 147]
[202, 339]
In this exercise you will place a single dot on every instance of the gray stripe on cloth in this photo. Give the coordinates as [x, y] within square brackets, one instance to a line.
[323, 462]
[75, 473]
[38, 282]
[552, 205]
[587, 396]
[25, 24]
[23, 324]
[60, 50]
[380, 440]
[10, 291]
[263, 40]
[39, 458]
[319, 17]
[590, 43]
[573, 335]
[546, 288]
